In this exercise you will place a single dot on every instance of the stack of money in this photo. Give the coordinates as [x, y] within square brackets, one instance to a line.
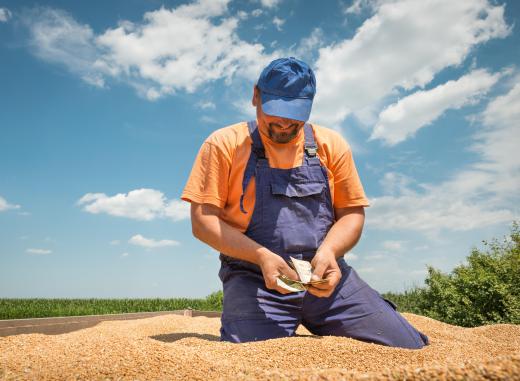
[304, 271]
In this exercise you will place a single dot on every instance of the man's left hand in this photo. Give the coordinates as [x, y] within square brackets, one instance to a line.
[325, 267]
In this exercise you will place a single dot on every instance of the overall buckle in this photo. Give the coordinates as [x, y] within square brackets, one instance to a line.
[311, 150]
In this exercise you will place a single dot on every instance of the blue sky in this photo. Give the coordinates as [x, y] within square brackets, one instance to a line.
[104, 105]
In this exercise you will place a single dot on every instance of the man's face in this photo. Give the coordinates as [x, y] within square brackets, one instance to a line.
[280, 130]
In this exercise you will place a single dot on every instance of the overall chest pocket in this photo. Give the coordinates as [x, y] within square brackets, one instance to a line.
[292, 212]
[295, 201]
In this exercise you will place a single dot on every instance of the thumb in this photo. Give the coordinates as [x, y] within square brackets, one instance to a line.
[290, 273]
[319, 270]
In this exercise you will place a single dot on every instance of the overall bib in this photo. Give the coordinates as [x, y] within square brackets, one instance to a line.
[293, 213]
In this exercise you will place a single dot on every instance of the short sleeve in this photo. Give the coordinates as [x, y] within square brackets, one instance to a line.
[348, 190]
[209, 177]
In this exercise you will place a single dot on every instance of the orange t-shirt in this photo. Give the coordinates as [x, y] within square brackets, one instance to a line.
[218, 170]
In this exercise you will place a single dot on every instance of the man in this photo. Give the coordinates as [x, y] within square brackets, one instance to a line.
[277, 187]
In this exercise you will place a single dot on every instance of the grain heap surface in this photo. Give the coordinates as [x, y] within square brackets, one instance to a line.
[172, 347]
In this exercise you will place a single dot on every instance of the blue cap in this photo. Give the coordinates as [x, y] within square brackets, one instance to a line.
[287, 87]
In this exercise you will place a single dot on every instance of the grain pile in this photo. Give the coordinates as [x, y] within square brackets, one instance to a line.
[172, 347]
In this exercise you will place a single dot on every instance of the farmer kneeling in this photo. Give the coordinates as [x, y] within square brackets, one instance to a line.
[278, 187]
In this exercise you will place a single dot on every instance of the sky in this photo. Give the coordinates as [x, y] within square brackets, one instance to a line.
[104, 106]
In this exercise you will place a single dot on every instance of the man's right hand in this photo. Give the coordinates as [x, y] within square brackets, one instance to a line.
[211, 229]
[272, 266]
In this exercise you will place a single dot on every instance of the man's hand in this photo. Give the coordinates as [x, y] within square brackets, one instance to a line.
[325, 267]
[272, 266]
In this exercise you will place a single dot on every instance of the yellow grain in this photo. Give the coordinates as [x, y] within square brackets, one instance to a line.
[173, 347]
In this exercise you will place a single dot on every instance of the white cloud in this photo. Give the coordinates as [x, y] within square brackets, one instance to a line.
[124, 255]
[308, 45]
[209, 120]
[366, 270]
[257, 12]
[278, 23]
[395, 183]
[4, 205]
[38, 251]
[115, 242]
[356, 74]
[206, 105]
[245, 108]
[376, 255]
[485, 193]
[242, 15]
[403, 119]
[139, 204]
[434, 210]
[393, 245]
[498, 142]
[170, 50]
[270, 3]
[177, 210]
[148, 243]
[357, 6]
[351, 257]
[56, 37]
[5, 14]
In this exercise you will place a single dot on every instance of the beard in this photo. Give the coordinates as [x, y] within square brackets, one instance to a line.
[282, 137]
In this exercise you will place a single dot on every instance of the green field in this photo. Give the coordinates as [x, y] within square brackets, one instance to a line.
[38, 307]
[35, 308]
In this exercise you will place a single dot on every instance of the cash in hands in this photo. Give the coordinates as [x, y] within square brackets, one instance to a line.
[304, 270]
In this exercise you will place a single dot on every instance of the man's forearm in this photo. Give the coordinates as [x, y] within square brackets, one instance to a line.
[229, 240]
[344, 234]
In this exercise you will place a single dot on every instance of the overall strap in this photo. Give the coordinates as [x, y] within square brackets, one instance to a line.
[257, 154]
[310, 148]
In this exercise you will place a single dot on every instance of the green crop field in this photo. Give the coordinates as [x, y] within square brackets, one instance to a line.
[35, 308]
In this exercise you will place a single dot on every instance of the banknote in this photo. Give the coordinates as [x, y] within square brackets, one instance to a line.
[303, 268]
[304, 271]
[289, 284]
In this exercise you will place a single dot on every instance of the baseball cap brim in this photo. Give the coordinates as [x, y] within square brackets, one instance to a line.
[284, 107]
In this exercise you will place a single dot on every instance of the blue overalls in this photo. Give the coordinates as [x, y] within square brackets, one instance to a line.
[293, 213]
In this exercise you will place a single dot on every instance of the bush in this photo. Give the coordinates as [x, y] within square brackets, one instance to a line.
[485, 291]
[409, 301]
[214, 301]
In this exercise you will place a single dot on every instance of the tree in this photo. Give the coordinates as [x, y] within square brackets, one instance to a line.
[485, 291]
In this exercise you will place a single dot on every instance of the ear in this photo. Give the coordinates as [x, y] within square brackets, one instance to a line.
[256, 94]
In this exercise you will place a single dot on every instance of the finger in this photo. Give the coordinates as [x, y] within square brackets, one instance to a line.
[322, 286]
[270, 282]
[273, 285]
[290, 273]
[334, 278]
[319, 270]
[319, 293]
[282, 290]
